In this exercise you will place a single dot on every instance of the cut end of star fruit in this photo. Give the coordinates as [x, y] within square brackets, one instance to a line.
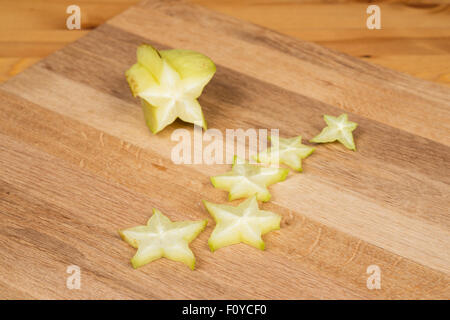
[169, 83]
[244, 223]
[338, 128]
[163, 238]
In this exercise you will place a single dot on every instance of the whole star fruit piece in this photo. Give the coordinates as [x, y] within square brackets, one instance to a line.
[163, 238]
[338, 128]
[244, 223]
[289, 151]
[169, 83]
[245, 180]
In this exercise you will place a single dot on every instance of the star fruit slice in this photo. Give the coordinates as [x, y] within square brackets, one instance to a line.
[169, 83]
[340, 129]
[245, 180]
[289, 151]
[244, 223]
[163, 238]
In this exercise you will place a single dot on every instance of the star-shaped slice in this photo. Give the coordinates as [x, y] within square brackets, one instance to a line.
[163, 238]
[245, 180]
[244, 223]
[289, 151]
[169, 83]
[340, 129]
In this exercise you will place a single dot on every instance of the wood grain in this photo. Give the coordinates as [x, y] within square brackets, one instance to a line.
[78, 164]
[414, 37]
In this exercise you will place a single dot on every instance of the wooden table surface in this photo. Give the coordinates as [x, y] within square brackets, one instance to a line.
[77, 163]
[415, 35]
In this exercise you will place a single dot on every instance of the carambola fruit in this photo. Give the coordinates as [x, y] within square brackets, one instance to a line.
[245, 180]
[340, 129]
[244, 223]
[289, 151]
[169, 83]
[163, 238]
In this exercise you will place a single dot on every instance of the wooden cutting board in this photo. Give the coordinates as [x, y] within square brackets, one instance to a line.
[77, 163]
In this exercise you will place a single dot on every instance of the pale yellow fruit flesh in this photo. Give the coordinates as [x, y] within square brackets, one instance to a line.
[245, 223]
[162, 238]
